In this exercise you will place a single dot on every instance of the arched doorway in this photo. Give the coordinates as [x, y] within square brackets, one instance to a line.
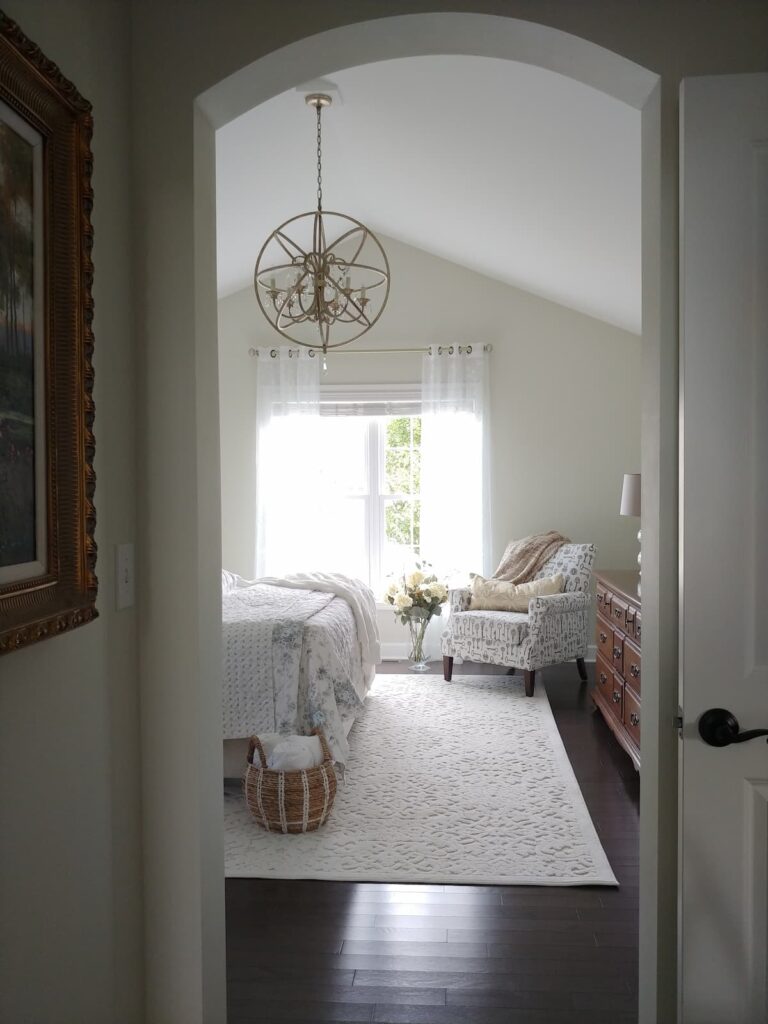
[411, 35]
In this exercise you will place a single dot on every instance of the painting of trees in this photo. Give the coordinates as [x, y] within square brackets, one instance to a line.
[17, 357]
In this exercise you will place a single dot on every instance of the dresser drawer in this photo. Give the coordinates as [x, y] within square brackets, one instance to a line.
[603, 678]
[603, 601]
[632, 666]
[629, 620]
[617, 651]
[616, 697]
[604, 637]
[632, 715]
[619, 612]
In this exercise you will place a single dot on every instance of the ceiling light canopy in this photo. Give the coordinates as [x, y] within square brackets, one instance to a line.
[322, 279]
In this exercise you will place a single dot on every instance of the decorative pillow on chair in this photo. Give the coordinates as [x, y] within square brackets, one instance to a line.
[499, 596]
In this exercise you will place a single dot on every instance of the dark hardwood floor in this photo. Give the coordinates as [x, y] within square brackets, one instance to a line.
[307, 951]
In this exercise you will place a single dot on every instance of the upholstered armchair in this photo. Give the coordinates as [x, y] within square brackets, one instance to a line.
[554, 630]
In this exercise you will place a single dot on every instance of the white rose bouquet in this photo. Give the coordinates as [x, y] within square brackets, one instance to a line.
[415, 598]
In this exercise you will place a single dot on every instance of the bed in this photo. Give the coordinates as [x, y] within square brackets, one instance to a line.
[299, 652]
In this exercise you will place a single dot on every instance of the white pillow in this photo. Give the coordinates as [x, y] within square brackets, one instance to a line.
[293, 753]
[289, 753]
[501, 596]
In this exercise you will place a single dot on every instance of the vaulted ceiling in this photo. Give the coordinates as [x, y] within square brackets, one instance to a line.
[508, 169]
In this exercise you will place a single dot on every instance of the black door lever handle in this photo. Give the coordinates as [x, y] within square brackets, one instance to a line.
[719, 728]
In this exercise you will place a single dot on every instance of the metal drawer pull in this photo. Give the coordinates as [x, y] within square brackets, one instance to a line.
[719, 728]
[634, 719]
[603, 637]
[616, 696]
[634, 671]
[617, 652]
[603, 677]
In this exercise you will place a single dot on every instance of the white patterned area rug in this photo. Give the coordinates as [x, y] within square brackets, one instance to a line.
[464, 782]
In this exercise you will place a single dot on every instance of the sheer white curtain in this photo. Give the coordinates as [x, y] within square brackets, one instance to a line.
[287, 460]
[455, 478]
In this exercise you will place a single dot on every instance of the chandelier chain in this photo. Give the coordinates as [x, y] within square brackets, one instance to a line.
[319, 160]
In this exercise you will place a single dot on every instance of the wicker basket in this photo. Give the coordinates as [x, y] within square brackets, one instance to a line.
[290, 801]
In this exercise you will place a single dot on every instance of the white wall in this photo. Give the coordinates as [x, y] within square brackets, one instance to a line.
[565, 403]
[70, 826]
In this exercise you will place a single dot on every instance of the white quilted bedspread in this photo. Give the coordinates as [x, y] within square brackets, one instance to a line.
[291, 662]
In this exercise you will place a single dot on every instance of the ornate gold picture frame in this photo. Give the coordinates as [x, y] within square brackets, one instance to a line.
[47, 519]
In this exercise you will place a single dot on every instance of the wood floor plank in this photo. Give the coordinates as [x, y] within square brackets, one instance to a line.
[244, 993]
[515, 929]
[299, 1011]
[519, 975]
[399, 934]
[530, 917]
[416, 949]
[542, 981]
[525, 909]
[508, 999]
[469, 1015]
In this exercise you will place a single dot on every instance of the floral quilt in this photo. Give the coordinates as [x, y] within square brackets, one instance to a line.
[292, 662]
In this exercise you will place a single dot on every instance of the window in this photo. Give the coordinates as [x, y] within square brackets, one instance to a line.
[360, 488]
[369, 502]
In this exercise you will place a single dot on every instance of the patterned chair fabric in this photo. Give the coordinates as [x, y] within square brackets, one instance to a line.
[554, 630]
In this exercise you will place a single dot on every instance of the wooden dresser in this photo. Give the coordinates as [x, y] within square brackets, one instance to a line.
[618, 667]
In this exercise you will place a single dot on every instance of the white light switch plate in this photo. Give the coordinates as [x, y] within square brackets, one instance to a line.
[125, 579]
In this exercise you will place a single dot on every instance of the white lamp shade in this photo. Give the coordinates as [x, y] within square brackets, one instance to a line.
[630, 495]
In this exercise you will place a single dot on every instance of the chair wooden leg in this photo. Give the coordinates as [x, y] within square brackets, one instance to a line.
[530, 682]
[447, 668]
[582, 670]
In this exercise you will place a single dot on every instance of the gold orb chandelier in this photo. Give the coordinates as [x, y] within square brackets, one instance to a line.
[316, 292]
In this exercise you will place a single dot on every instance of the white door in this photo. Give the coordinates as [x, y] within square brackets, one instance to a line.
[724, 545]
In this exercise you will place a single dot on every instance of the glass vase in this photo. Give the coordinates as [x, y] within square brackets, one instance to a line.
[418, 627]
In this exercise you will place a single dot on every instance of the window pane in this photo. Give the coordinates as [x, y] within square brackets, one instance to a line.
[401, 536]
[399, 432]
[341, 537]
[416, 420]
[397, 463]
[344, 454]
[398, 522]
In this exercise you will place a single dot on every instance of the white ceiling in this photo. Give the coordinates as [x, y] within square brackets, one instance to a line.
[508, 169]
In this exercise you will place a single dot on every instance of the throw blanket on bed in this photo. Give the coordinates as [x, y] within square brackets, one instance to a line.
[263, 633]
[358, 596]
[523, 558]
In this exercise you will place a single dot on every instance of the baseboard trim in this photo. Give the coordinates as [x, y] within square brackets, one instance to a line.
[394, 651]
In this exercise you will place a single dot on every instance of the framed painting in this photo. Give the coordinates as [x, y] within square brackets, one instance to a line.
[47, 518]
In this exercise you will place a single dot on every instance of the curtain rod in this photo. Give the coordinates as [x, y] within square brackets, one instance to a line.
[450, 349]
